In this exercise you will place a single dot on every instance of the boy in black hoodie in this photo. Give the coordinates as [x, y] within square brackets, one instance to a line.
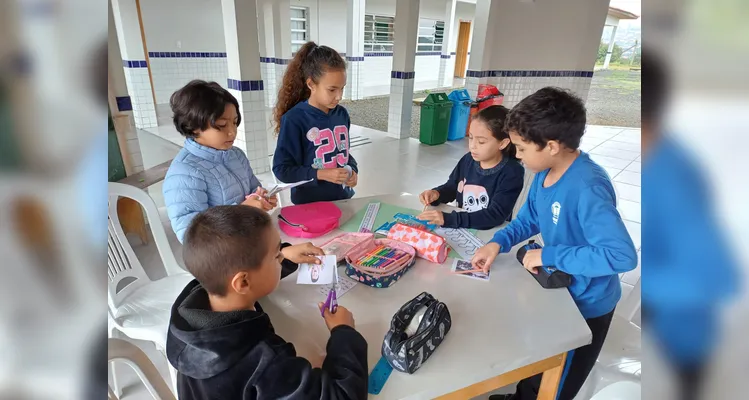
[222, 343]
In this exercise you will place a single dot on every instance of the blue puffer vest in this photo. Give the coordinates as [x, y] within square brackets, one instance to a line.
[202, 177]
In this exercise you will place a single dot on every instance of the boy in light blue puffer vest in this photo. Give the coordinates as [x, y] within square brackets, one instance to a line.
[208, 171]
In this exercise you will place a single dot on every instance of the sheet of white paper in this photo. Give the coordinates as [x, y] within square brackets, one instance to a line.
[318, 274]
[344, 285]
[285, 186]
[463, 242]
[461, 266]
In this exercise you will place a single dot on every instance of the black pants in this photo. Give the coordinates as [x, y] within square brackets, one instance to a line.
[576, 369]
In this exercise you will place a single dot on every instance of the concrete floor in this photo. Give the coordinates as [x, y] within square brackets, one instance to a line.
[388, 165]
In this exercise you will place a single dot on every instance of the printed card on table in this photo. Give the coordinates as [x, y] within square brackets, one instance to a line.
[464, 268]
[318, 274]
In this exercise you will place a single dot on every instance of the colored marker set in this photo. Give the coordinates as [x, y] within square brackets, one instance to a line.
[382, 257]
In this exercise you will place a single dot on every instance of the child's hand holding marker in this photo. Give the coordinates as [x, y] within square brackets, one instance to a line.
[428, 197]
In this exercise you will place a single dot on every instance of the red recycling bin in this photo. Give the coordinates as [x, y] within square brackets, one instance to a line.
[489, 95]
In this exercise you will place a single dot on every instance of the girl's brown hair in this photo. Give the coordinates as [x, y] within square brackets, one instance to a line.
[494, 117]
[310, 62]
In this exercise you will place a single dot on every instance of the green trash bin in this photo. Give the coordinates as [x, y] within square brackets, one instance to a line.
[435, 119]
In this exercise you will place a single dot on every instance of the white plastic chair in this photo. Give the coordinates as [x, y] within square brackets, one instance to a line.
[124, 351]
[623, 390]
[139, 307]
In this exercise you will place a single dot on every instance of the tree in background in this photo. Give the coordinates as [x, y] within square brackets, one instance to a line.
[616, 53]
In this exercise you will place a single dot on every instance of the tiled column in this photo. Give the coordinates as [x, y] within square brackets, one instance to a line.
[447, 61]
[281, 37]
[402, 75]
[481, 46]
[245, 83]
[267, 50]
[120, 104]
[354, 50]
[125, 15]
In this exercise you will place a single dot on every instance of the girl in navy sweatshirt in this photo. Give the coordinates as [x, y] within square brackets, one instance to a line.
[486, 182]
[313, 130]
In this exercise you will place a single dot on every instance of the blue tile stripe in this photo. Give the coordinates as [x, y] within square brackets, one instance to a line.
[134, 63]
[186, 54]
[529, 74]
[355, 58]
[124, 103]
[245, 86]
[402, 75]
[445, 56]
[273, 60]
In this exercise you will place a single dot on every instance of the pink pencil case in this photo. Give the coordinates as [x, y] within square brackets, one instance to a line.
[340, 245]
[428, 246]
[309, 220]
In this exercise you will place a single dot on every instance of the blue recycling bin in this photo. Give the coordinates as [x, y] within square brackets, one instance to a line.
[459, 115]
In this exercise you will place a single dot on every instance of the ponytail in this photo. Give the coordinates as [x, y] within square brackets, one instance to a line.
[310, 62]
[494, 117]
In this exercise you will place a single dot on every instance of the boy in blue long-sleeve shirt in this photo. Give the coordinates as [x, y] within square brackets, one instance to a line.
[572, 204]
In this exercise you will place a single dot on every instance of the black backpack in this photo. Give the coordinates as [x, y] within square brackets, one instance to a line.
[407, 354]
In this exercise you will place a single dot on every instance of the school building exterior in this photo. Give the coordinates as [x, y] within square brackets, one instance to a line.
[392, 48]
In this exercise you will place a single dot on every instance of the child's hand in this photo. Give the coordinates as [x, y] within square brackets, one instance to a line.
[302, 253]
[433, 217]
[532, 260]
[351, 182]
[485, 256]
[257, 201]
[428, 197]
[333, 175]
[273, 201]
[342, 316]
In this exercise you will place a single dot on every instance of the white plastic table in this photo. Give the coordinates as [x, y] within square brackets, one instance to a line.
[502, 331]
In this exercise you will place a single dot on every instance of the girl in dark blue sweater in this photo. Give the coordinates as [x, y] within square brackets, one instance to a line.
[486, 182]
[313, 130]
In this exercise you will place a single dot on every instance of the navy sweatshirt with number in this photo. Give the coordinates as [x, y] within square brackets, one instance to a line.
[310, 140]
[487, 195]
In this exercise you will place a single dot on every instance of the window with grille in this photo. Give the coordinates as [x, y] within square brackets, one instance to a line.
[378, 33]
[299, 27]
[431, 35]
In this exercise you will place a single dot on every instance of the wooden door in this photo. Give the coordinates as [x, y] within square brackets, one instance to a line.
[461, 56]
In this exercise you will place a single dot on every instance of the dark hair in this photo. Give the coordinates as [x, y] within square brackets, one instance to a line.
[494, 117]
[222, 241]
[310, 62]
[198, 105]
[549, 114]
[655, 87]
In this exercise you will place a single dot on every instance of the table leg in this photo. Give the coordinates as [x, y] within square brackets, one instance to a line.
[550, 381]
[551, 368]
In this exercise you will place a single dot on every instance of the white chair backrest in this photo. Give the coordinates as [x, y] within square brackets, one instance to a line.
[124, 270]
[122, 350]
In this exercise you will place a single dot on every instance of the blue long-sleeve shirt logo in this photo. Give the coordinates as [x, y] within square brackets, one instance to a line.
[556, 208]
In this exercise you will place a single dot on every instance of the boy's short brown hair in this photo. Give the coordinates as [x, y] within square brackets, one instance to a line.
[222, 241]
